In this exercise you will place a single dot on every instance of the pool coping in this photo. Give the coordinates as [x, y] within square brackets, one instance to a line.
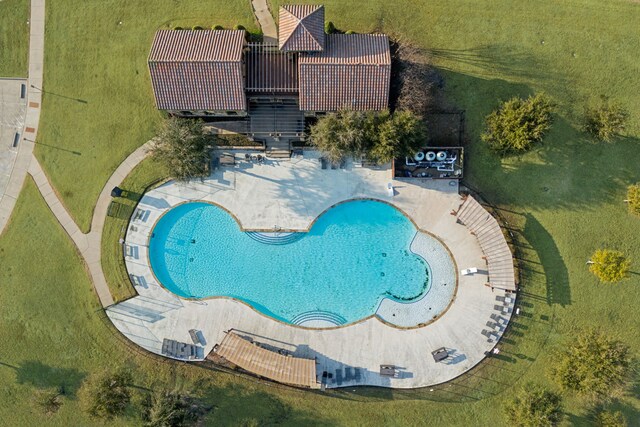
[306, 230]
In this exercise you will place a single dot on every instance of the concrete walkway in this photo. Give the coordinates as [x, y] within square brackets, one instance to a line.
[18, 171]
[265, 19]
[89, 244]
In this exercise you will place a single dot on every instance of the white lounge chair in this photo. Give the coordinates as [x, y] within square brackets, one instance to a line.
[469, 271]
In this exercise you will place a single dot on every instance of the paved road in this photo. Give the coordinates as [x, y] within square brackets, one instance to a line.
[21, 155]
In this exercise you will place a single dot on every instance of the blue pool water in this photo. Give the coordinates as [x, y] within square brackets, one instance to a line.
[354, 255]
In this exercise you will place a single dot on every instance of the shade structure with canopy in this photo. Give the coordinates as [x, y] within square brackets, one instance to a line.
[251, 357]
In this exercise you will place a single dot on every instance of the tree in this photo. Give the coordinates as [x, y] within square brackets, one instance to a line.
[605, 121]
[183, 147]
[169, 409]
[609, 266]
[399, 135]
[534, 406]
[633, 199]
[518, 124]
[610, 419]
[594, 366]
[341, 134]
[106, 395]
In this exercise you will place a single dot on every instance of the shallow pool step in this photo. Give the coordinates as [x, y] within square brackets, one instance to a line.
[274, 238]
[319, 315]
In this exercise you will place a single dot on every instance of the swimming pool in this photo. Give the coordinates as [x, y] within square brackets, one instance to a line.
[355, 255]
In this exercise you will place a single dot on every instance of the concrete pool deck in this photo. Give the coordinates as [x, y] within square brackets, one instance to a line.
[289, 195]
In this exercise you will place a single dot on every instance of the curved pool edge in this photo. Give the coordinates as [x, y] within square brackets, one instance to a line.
[406, 306]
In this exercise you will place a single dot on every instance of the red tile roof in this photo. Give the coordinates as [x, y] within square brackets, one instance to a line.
[354, 72]
[301, 28]
[198, 70]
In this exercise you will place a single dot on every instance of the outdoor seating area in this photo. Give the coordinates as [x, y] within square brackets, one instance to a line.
[432, 162]
[180, 350]
[440, 354]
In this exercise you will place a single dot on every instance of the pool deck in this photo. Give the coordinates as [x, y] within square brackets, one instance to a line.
[289, 195]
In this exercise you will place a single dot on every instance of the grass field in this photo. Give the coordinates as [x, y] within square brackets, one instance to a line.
[97, 87]
[145, 174]
[563, 199]
[14, 38]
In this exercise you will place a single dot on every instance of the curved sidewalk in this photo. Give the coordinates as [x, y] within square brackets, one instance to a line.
[89, 244]
[266, 21]
[32, 119]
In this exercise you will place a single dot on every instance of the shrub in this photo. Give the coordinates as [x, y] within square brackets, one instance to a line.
[398, 135]
[341, 134]
[633, 199]
[605, 121]
[329, 28]
[534, 406]
[594, 366]
[379, 136]
[106, 395]
[610, 419]
[350, 32]
[239, 27]
[178, 28]
[183, 147]
[518, 124]
[197, 27]
[165, 408]
[50, 401]
[217, 27]
[609, 266]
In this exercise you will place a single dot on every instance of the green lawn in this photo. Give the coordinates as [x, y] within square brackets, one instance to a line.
[145, 174]
[99, 103]
[563, 200]
[14, 38]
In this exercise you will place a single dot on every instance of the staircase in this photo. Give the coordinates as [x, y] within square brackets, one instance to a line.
[319, 316]
[274, 238]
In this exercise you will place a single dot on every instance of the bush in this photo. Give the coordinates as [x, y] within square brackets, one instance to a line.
[609, 266]
[239, 27]
[342, 134]
[50, 401]
[594, 366]
[534, 406]
[217, 27]
[178, 28]
[329, 28]
[378, 136]
[518, 124]
[165, 408]
[350, 32]
[606, 121]
[633, 199]
[401, 134]
[197, 27]
[184, 148]
[106, 395]
[610, 419]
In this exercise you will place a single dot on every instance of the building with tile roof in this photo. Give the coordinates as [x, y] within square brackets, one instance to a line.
[216, 73]
[301, 28]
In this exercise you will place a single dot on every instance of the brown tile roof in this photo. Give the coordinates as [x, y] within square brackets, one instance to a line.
[198, 70]
[301, 27]
[353, 72]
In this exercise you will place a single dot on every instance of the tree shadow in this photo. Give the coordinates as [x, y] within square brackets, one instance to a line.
[43, 376]
[555, 271]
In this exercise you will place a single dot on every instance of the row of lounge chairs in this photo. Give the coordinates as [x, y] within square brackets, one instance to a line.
[180, 350]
